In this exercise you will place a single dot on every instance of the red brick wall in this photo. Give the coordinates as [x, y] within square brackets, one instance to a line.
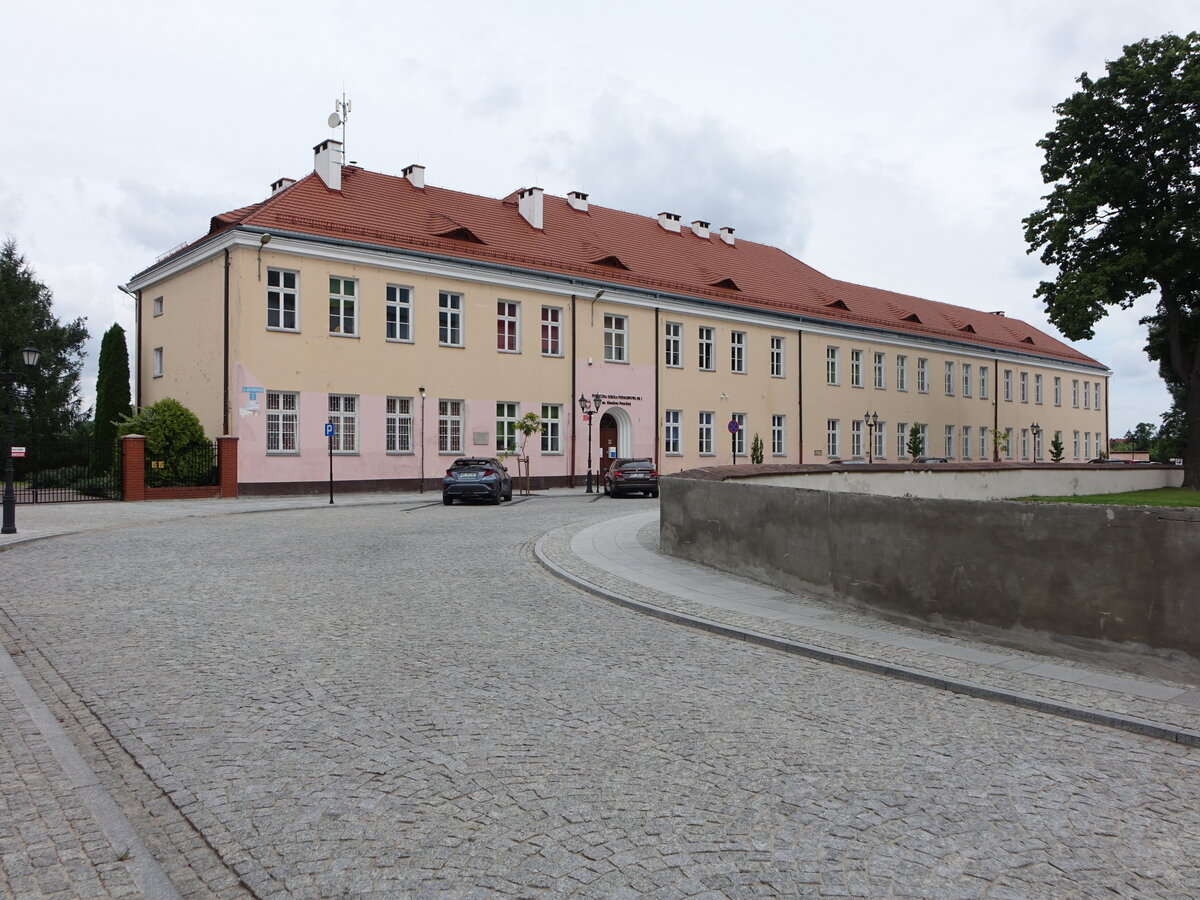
[133, 473]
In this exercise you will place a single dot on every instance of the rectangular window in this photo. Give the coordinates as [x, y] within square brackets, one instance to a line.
[984, 374]
[881, 440]
[1024, 443]
[1075, 445]
[856, 438]
[739, 439]
[450, 322]
[705, 434]
[1097, 395]
[1057, 391]
[949, 442]
[1087, 445]
[831, 439]
[158, 306]
[778, 435]
[283, 300]
[157, 363]
[399, 425]
[343, 317]
[737, 352]
[1037, 445]
[966, 379]
[1037, 388]
[949, 379]
[508, 326]
[831, 365]
[450, 426]
[614, 338]
[705, 345]
[880, 372]
[399, 313]
[506, 427]
[1075, 392]
[283, 422]
[924, 435]
[551, 331]
[671, 426]
[856, 368]
[1024, 387]
[1008, 385]
[673, 345]
[922, 376]
[901, 440]
[552, 428]
[966, 442]
[984, 452]
[1008, 443]
[1099, 446]
[777, 357]
[343, 415]
[1087, 395]
[902, 373]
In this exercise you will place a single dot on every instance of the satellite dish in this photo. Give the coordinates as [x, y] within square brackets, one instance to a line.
[334, 120]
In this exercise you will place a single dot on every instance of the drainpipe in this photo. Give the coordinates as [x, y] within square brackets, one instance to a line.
[995, 409]
[657, 412]
[225, 401]
[800, 392]
[572, 404]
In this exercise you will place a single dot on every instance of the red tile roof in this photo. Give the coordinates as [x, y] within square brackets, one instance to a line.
[611, 246]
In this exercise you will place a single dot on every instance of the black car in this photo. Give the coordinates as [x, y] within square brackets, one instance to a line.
[476, 478]
[631, 476]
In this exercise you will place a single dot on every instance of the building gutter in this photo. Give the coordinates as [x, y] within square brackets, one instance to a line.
[225, 394]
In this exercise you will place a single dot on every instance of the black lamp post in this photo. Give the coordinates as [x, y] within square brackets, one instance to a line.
[31, 354]
[589, 407]
[421, 489]
[872, 422]
[1037, 440]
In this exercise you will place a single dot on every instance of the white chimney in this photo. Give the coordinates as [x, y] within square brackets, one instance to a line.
[415, 175]
[329, 163]
[529, 203]
[700, 229]
[578, 200]
[727, 235]
[669, 221]
[281, 184]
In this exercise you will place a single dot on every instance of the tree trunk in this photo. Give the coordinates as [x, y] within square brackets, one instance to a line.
[1191, 452]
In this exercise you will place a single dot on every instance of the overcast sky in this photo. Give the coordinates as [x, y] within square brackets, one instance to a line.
[890, 144]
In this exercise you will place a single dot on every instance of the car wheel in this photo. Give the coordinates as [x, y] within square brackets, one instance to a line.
[508, 496]
[499, 496]
[606, 491]
[448, 501]
[654, 494]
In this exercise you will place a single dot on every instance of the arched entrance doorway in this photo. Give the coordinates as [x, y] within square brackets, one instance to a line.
[609, 435]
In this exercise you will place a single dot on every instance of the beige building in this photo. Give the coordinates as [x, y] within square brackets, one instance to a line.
[422, 323]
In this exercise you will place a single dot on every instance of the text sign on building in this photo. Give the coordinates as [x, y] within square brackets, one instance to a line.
[18, 451]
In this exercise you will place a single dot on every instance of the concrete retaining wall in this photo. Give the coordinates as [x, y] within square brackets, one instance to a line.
[1114, 573]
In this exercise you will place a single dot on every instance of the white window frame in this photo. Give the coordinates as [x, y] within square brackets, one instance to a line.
[157, 305]
[451, 319]
[832, 360]
[778, 435]
[398, 424]
[832, 438]
[343, 415]
[1058, 390]
[922, 375]
[902, 372]
[156, 364]
[398, 313]
[985, 375]
[508, 326]
[737, 352]
[880, 371]
[966, 442]
[739, 439]
[1087, 445]
[1075, 393]
[1096, 396]
[672, 423]
[450, 426]
[949, 442]
[673, 345]
[1075, 444]
[901, 440]
[949, 379]
[616, 337]
[552, 429]
[1008, 443]
[507, 414]
[1037, 389]
[966, 379]
[778, 357]
[856, 439]
[343, 295]
[880, 438]
[924, 433]
[282, 293]
[984, 452]
[283, 423]
[1024, 387]
[856, 368]
[705, 341]
[552, 331]
[704, 434]
[1008, 391]
[1087, 395]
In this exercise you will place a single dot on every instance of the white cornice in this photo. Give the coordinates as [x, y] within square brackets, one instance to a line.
[497, 275]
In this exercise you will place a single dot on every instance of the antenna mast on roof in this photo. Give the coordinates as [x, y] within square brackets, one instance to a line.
[341, 112]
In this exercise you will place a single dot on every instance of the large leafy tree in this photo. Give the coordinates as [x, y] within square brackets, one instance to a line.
[51, 398]
[1123, 217]
[112, 397]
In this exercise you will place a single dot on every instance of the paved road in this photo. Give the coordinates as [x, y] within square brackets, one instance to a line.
[396, 699]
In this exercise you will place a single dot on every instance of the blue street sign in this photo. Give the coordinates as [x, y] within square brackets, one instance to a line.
[328, 429]
[733, 426]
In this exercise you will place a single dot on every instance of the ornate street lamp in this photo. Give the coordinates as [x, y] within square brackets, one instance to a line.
[589, 407]
[31, 355]
[872, 422]
[1036, 429]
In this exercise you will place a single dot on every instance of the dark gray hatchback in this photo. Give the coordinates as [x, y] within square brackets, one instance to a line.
[476, 478]
[631, 476]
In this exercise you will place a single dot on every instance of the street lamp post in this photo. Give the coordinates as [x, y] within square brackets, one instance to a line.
[589, 407]
[872, 422]
[30, 354]
[421, 490]
[1036, 430]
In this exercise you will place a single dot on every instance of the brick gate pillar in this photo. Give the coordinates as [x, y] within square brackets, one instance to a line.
[133, 467]
[227, 465]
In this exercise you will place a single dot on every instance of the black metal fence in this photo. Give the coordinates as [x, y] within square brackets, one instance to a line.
[60, 471]
[195, 466]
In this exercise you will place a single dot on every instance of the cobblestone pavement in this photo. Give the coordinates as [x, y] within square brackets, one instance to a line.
[395, 699]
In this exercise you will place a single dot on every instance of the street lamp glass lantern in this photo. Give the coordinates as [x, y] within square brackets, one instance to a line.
[596, 401]
[31, 354]
[583, 403]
